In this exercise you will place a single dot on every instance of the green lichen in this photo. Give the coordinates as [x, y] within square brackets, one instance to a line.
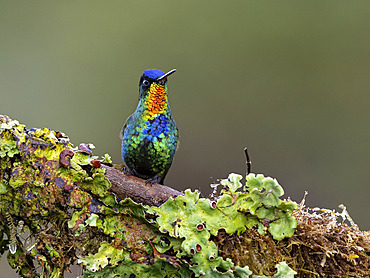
[97, 183]
[36, 189]
[194, 219]
[107, 254]
[93, 221]
[263, 201]
[70, 213]
[157, 268]
[48, 270]
[4, 186]
[283, 271]
[107, 159]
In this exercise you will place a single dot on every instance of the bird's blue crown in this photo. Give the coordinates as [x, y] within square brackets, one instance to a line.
[153, 73]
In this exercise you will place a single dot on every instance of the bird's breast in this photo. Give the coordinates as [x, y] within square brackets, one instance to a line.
[160, 131]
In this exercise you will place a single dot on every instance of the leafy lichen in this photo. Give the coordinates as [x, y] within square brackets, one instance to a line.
[195, 219]
[64, 196]
[37, 190]
[59, 196]
[58, 191]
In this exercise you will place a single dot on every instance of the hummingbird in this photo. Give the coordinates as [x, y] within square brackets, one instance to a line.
[150, 135]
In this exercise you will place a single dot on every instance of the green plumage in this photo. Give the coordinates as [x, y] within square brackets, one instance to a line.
[150, 135]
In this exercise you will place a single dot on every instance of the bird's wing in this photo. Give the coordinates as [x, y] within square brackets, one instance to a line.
[123, 128]
[177, 135]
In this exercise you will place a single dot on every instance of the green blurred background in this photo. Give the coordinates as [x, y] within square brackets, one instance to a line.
[287, 79]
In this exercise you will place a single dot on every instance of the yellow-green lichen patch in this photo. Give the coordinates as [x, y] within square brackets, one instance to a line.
[194, 219]
[131, 246]
[37, 190]
[68, 212]
[263, 201]
[107, 254]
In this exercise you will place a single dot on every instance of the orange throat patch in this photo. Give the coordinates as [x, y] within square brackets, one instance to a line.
[157, 99]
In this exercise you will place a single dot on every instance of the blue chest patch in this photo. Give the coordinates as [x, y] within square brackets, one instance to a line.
[148, 147]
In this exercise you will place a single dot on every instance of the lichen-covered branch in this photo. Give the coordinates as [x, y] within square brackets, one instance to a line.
[60, 205]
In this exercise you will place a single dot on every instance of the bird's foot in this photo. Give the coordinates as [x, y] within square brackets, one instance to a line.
[155, 179]
[129, 172]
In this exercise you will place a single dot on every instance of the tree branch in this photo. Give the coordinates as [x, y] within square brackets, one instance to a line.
[60, 205]
[136, 189]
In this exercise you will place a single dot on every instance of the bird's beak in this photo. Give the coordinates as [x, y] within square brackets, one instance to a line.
[163, 78]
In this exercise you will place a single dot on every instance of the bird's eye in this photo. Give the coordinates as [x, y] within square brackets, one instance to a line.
[146, 82]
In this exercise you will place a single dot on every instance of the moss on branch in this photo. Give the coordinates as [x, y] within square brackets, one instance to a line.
[60, 205]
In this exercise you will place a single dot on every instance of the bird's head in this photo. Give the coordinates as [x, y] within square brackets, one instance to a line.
[153, 89]
[153, 80]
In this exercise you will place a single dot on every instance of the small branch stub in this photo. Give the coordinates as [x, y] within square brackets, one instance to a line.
[248, 161]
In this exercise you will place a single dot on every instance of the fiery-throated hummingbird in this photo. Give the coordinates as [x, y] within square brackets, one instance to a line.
[150, 135]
